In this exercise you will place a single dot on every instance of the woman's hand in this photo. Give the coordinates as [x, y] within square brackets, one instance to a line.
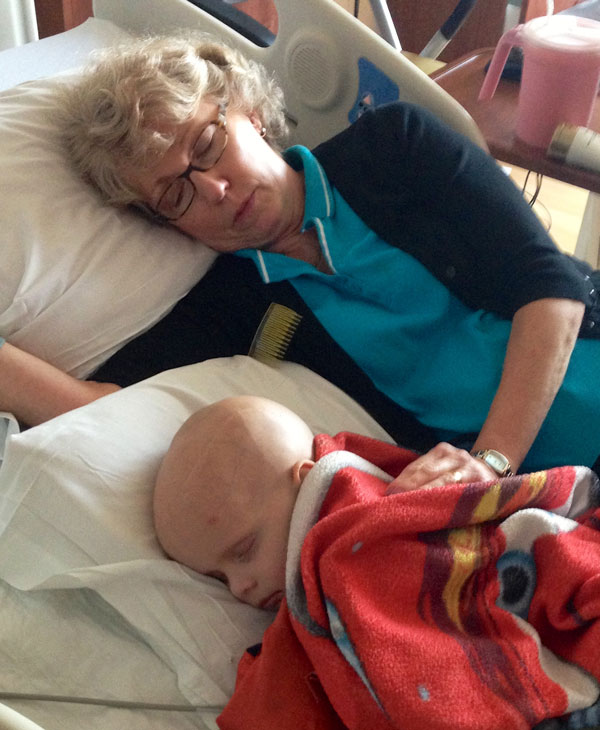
[35, 391]
[444, 464]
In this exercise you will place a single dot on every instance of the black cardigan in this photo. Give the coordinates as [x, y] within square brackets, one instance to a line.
[428, 190]
[421, 187]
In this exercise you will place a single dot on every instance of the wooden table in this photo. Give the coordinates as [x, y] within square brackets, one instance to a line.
[496, 119]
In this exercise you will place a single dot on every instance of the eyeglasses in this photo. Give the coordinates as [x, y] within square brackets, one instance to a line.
[176, 199]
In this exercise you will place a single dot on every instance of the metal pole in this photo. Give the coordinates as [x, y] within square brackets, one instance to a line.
[384, 21]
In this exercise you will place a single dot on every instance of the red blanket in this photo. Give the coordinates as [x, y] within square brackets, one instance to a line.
[468, 606]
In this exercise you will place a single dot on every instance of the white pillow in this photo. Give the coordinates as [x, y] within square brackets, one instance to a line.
[77, 278]
[75, 509]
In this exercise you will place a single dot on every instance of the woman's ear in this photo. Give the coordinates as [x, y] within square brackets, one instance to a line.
[257, 124]
[300, 470]
[253, 116]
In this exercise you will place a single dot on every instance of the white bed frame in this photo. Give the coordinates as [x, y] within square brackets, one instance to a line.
[315, 58]
[11, 720]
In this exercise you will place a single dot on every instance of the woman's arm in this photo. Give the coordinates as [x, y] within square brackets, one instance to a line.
[542, 338]
[35, 391]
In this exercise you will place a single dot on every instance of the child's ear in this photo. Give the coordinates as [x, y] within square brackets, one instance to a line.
[300, 470]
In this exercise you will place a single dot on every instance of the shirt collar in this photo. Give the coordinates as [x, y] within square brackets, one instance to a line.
[319, 204]
[319, 201]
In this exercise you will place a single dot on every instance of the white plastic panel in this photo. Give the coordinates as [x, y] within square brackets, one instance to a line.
[328, 63]
[12, 720]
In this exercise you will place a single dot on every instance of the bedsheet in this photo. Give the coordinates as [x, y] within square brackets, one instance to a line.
[71, 643]
[471, 606]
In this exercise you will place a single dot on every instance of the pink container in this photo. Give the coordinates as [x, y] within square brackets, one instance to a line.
[561, 71]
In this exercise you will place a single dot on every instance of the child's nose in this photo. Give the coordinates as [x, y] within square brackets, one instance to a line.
[241, 586]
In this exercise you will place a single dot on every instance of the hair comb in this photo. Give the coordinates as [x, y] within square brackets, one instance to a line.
[274, 334]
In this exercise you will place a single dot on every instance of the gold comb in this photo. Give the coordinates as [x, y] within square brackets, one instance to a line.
[274, 334]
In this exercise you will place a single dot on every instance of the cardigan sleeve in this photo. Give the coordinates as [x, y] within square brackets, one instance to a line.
[429, 190]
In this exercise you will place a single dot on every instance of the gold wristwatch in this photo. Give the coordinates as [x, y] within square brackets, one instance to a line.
[495, 460]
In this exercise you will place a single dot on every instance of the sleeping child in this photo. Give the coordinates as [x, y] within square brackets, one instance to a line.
[467, 606]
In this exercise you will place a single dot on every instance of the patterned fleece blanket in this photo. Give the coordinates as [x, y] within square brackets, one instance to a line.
[468, 606]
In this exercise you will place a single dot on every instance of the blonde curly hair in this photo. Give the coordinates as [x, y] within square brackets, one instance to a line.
[114, 117]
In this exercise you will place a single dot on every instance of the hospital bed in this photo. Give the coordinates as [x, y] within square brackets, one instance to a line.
[97, 628]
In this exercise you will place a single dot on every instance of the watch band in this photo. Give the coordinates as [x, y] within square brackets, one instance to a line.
[495, 460]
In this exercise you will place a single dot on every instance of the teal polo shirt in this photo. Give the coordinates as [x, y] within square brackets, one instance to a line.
[419, 343]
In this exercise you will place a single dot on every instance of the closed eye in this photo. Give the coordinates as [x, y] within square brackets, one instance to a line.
[202, 148]
[173, 194]
[244, 548]
[202, 154]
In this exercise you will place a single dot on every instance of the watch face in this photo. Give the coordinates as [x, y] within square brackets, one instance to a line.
[496, 461]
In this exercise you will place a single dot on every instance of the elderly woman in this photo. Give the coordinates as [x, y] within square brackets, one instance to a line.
[427, 287]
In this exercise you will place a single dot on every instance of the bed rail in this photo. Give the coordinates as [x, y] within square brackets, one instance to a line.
[330, 65]
[238, 21]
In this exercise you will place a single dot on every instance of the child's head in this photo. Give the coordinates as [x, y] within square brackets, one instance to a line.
[225, 493]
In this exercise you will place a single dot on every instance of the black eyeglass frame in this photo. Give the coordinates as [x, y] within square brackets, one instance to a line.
[154, 211]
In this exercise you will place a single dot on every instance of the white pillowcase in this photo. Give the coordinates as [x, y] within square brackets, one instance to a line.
[77, 278]
[76, 509]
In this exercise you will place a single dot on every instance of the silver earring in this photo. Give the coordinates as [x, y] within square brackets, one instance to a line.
[263, 131]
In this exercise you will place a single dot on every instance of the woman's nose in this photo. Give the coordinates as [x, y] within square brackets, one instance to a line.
[210, 185]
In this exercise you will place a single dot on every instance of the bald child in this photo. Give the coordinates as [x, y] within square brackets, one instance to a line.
[226, 490]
